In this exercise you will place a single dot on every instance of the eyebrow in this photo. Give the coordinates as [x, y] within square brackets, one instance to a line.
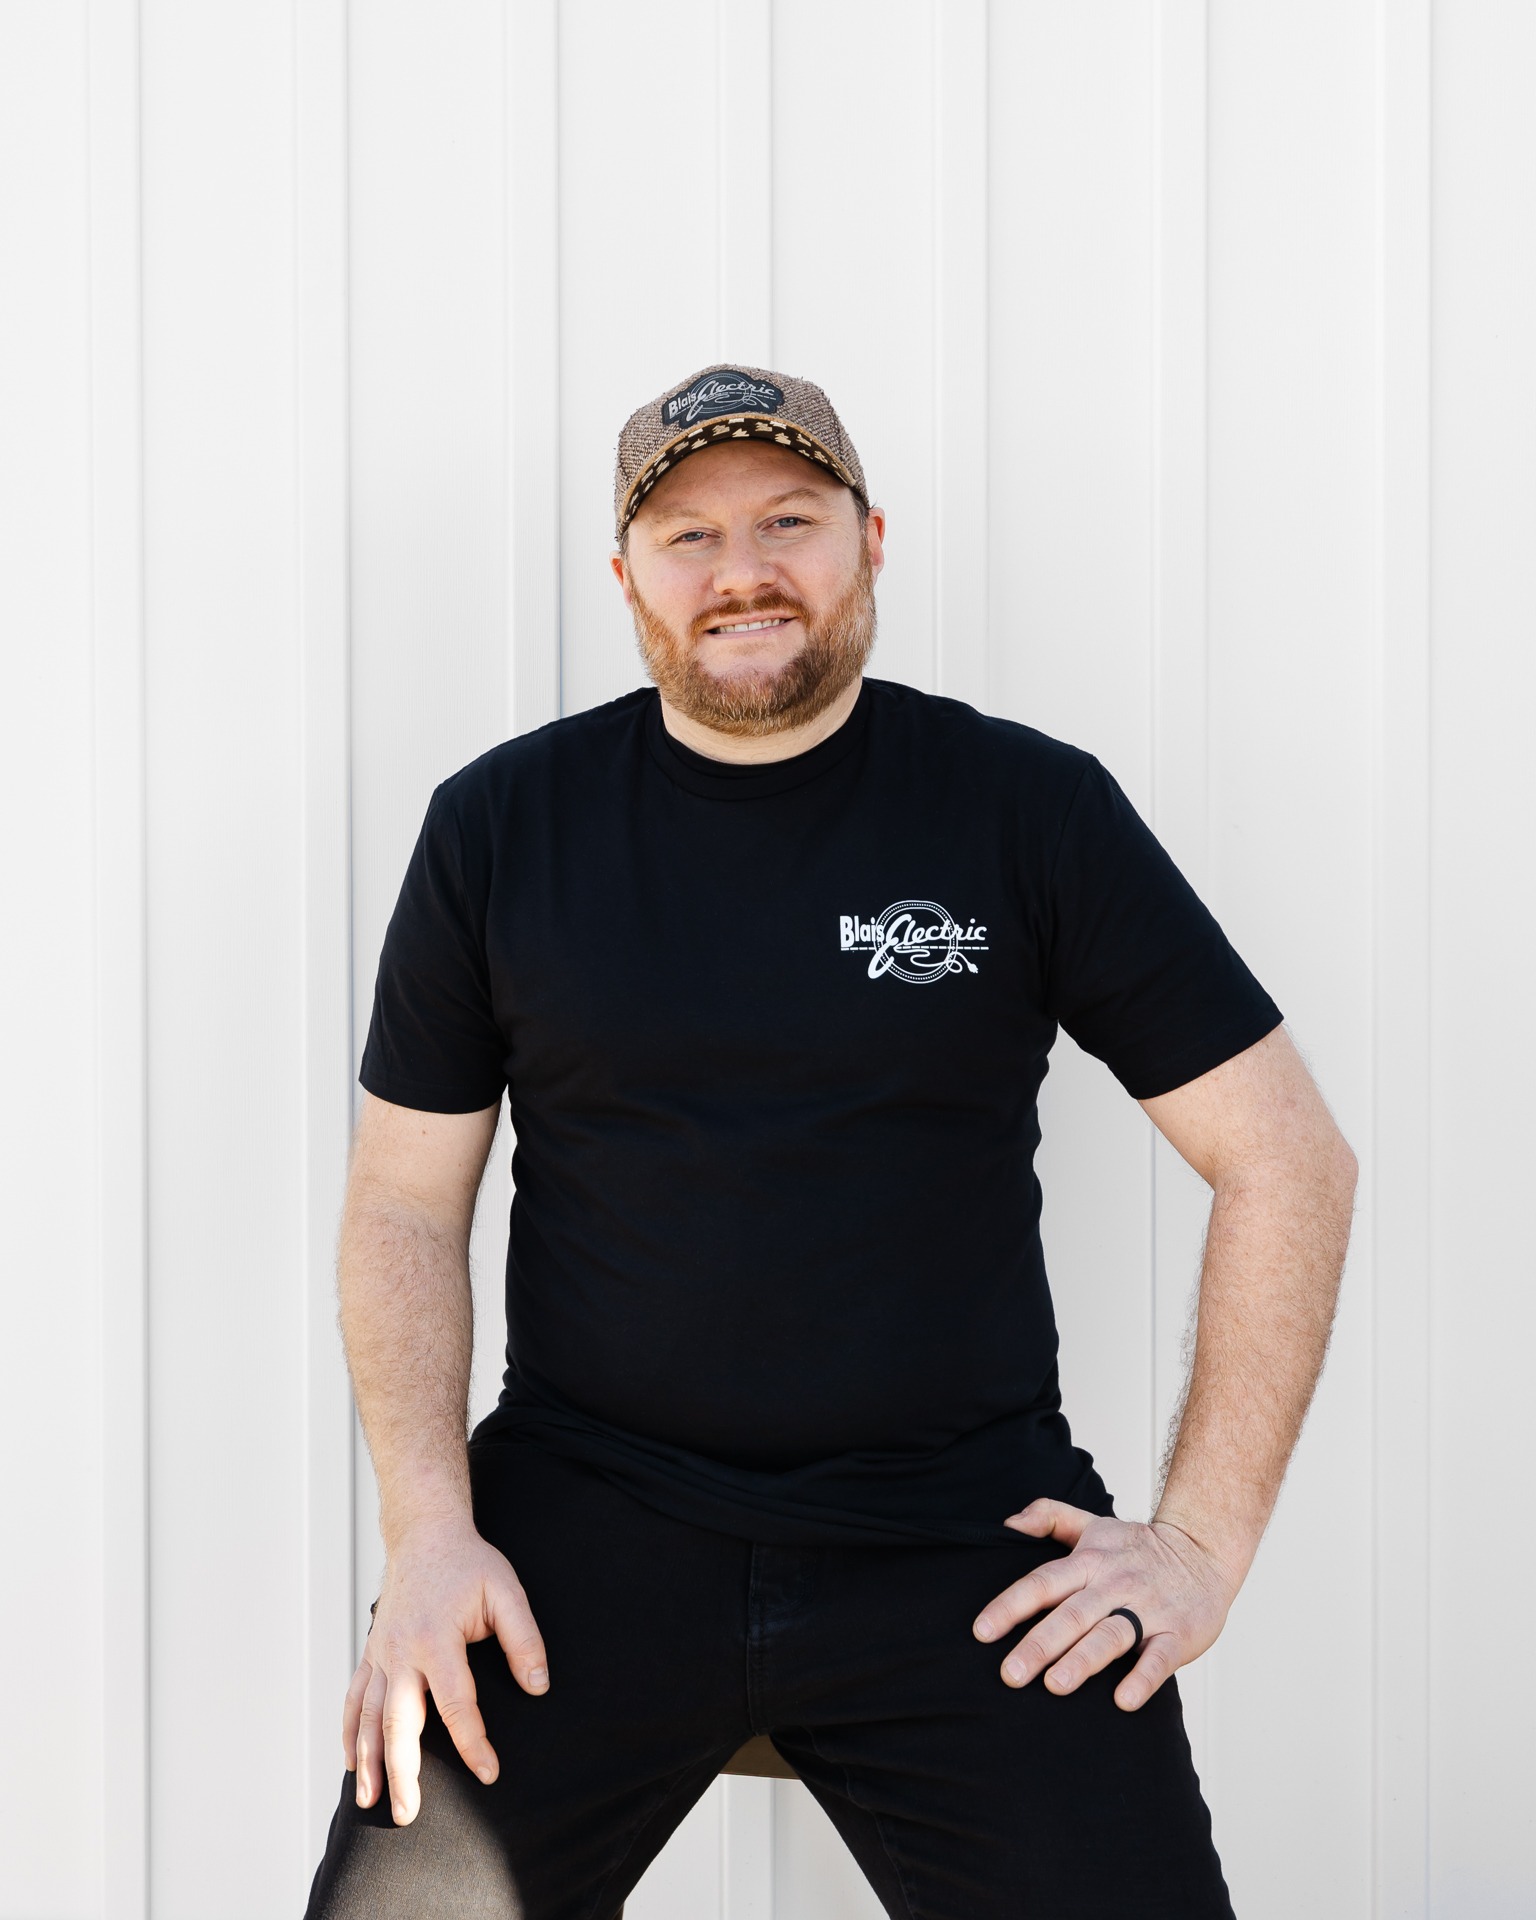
[700, 513]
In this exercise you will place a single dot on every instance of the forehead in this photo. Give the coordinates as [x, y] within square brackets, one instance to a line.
[724, 476]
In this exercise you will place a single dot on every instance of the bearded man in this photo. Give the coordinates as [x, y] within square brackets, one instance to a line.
[769, 957]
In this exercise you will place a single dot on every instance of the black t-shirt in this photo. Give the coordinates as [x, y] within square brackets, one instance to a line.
[773, 1037]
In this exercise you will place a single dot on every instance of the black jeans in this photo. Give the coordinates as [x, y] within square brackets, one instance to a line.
[960, 1797]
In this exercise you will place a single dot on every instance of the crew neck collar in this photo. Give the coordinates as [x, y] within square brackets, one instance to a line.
[749, 780]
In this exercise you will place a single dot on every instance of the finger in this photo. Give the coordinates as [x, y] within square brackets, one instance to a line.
[370, 1739]
[1150, 1671]
[520, 1639]
[1041, 1588]
[1051, 1637]
[352, 1711]
[1107, 1641]
[405, 1714]
[1051, 1520]
[453, 1691]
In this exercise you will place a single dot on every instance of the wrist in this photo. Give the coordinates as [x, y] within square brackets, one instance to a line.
[1231, 1553]
[433, 1507]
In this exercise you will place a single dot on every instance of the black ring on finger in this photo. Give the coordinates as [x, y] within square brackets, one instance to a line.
[1140, 1636]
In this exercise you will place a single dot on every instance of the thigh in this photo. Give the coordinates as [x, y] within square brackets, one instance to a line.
[643, 1620]
[963, 1798]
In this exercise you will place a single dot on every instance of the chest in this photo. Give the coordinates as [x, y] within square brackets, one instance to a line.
[886, 953]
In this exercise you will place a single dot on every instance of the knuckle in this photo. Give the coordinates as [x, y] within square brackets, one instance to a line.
[515, 1619]
[1022, 1599]
[458, 1710]
[446, 1659]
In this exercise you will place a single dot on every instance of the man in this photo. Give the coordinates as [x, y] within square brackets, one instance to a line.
[770, 957]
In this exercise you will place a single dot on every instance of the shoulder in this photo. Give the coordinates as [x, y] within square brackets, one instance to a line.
[570, 748]
[992, 749]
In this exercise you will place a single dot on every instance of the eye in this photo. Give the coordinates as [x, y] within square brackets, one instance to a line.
[696, 534]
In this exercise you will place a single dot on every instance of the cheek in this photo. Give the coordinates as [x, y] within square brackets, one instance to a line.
[673, 597]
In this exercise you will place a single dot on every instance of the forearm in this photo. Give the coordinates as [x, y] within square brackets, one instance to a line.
[407, 1325]
[1274, 1255]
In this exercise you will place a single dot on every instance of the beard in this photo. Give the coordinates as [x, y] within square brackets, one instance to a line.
[759, 700]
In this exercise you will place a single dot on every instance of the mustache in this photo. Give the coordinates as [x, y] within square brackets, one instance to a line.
[750, 611]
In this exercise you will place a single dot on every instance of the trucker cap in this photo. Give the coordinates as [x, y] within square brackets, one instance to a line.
[728, 402]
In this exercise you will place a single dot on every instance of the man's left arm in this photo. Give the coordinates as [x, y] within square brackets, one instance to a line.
[1283, 1182]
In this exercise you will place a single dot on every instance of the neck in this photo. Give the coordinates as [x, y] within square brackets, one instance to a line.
[747, 748]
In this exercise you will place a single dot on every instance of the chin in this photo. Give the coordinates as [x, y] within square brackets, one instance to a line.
[754, 679]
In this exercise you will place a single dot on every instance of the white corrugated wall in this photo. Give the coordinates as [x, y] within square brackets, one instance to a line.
[1189, 348]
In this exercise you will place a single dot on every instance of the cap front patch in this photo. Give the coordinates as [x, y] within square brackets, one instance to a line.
[716, 393]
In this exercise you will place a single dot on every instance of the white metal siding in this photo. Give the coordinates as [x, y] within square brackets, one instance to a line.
[1188, 349]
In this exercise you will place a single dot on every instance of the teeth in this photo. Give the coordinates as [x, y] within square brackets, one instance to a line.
[752, 626]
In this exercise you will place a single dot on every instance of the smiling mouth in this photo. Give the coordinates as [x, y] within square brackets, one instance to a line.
[753, 626]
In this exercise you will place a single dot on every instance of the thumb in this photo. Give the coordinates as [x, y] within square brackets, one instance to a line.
[520, 1639]
[1051, 1520]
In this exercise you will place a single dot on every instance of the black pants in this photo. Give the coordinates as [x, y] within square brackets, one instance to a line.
[960, 1797]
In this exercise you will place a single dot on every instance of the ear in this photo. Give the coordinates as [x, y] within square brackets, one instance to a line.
[874, 536]
[620, 573]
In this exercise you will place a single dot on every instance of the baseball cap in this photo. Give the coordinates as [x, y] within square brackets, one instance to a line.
[727, 401]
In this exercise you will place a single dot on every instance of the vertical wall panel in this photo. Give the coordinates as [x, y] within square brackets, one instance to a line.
[320, 399]
[121, 1084]
[1396, 1153]
[744, 87]
[1180, 1199]
[50, 1415]
[427, 426]
[1069, 395]
[853, 191]
[431, 679]
[959, 273]
[226, 971]
[639, 282]
[1292, 477]
[531, 147]
[1482, 931]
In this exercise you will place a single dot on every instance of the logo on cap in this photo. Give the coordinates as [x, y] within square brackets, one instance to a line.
[716, 393]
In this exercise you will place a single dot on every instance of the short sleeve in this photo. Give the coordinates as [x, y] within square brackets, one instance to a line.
[1139, 972]
[433, 1042]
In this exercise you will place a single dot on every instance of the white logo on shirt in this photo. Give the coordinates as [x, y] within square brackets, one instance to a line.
[913, 940]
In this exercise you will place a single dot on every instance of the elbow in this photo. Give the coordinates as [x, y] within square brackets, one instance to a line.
[1345, 1167]
[1315, 1167]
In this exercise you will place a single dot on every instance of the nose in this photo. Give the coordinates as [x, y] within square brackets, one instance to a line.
[742, 568]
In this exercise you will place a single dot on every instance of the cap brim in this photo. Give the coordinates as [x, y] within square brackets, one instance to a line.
[765, 429]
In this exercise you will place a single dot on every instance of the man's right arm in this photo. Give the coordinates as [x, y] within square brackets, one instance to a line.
[406, 1322]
